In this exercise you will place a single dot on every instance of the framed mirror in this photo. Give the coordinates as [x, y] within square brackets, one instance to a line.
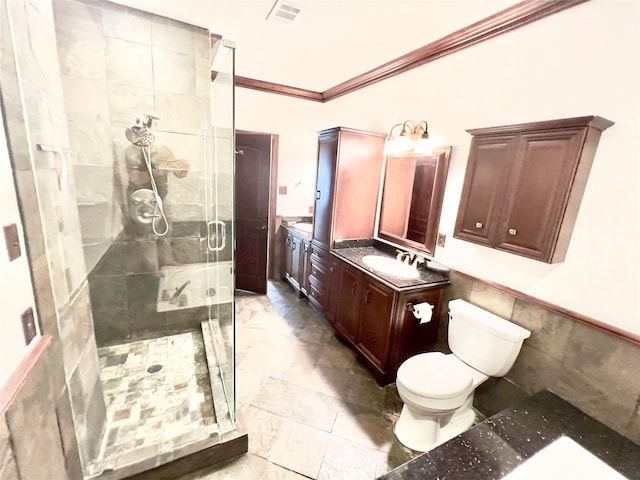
[410, 201]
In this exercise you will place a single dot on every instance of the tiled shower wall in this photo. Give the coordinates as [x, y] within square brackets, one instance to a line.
[117, 64]
[105, 53]
[66, 392]
[594, 370]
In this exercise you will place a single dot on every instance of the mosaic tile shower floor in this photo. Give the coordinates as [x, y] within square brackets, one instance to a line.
[310, 407]
[151, 410]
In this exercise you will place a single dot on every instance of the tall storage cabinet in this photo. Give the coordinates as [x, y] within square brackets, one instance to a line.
[347, 185]
[524, 183]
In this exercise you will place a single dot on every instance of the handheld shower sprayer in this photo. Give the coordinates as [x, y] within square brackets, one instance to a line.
[140, 134]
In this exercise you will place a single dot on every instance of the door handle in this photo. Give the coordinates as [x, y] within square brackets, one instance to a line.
[216, 233]
[261, 227]
[317, 194]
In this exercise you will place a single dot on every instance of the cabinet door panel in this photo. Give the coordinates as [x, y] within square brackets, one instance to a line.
[374, 331]
[539, 189]
[349, 303]
[484, 185]
[357, 185]
[296, 249]
[323, 212]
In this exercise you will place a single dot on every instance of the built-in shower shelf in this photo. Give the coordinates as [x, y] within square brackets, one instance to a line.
[90, 201]
[94, 242]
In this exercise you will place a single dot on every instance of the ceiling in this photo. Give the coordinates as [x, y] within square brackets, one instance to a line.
[330, 41]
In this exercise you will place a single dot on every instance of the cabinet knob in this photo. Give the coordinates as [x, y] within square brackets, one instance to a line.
[479, 225]
[512, 231]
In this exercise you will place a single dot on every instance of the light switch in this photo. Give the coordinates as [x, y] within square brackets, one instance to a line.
[28, 325]
[12, 241]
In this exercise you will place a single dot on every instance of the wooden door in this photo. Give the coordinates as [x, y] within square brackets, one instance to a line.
[253, 206]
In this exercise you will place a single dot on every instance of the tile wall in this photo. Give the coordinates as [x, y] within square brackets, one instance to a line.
[70, 391]
[593, 370]
[117, 64]
[73, 75]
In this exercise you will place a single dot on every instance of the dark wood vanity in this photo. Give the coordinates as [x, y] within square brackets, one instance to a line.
[368, 309]
[296, 267]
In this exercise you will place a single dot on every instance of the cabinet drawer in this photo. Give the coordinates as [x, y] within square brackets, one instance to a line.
[319, 254]
[317, 293]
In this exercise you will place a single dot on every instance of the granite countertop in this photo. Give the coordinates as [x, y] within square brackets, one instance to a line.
[495, 447]
[296, 231]
[353, 255]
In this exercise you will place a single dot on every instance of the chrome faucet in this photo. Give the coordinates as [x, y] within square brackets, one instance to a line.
[403, 257]
[418, 260]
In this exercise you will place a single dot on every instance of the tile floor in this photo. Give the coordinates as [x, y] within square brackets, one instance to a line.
[150, 412]
[310, 407]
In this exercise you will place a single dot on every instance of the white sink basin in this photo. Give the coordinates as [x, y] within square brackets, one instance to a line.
[390, 266]
[561, 460]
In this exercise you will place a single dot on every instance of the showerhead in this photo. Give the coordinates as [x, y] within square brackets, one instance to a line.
[140, 133]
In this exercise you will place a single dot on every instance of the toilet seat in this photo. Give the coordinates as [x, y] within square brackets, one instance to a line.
[434, 375]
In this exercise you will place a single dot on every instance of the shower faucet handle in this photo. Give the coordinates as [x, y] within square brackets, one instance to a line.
[147, 119]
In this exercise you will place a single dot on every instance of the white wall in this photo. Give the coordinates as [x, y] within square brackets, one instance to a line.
[583, 61]
[16, 294]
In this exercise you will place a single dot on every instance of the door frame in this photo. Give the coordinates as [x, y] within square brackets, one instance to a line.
[273, 195]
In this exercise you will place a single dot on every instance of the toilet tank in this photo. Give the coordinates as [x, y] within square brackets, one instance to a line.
[484, 341]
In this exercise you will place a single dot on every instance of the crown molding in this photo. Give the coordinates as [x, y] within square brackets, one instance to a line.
[504, 21]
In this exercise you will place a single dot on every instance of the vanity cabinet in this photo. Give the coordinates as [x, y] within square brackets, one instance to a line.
[295, 266]
[347, 185]
[524, 183]
[323, 291]
[374, 320]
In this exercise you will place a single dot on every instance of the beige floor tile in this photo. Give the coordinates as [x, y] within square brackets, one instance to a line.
[262, 427]
[328, 380]
[300, 404]
[300, 448]
[248, 384]
[276, 472]
[346, 460]
[364, 426]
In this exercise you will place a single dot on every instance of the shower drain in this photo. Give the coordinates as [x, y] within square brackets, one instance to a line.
[154, 368]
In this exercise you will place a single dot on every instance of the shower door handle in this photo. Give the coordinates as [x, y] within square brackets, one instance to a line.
[216, 233]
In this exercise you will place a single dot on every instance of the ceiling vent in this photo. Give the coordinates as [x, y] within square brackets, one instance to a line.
[284, 12]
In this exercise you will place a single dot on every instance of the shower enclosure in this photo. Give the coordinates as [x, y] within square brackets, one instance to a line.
[125, 173]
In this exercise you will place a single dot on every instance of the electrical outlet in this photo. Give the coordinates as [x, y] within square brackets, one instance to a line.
[441, 239]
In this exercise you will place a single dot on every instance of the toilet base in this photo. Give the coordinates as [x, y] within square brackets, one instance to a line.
[422, 432]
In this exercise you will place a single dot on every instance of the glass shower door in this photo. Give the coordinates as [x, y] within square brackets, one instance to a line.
[219, 331]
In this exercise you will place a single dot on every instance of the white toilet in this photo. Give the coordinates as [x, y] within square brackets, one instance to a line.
[437, 389]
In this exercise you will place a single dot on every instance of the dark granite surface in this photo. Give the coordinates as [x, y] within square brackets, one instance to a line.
[353, 255]
[495, 447]
[298, 233]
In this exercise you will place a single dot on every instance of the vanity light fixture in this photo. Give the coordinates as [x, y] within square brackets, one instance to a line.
[412, 139]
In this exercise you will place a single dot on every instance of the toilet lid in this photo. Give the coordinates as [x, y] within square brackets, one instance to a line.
[434, 375]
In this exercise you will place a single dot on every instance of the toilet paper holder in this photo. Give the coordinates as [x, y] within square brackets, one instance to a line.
[420, 315]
